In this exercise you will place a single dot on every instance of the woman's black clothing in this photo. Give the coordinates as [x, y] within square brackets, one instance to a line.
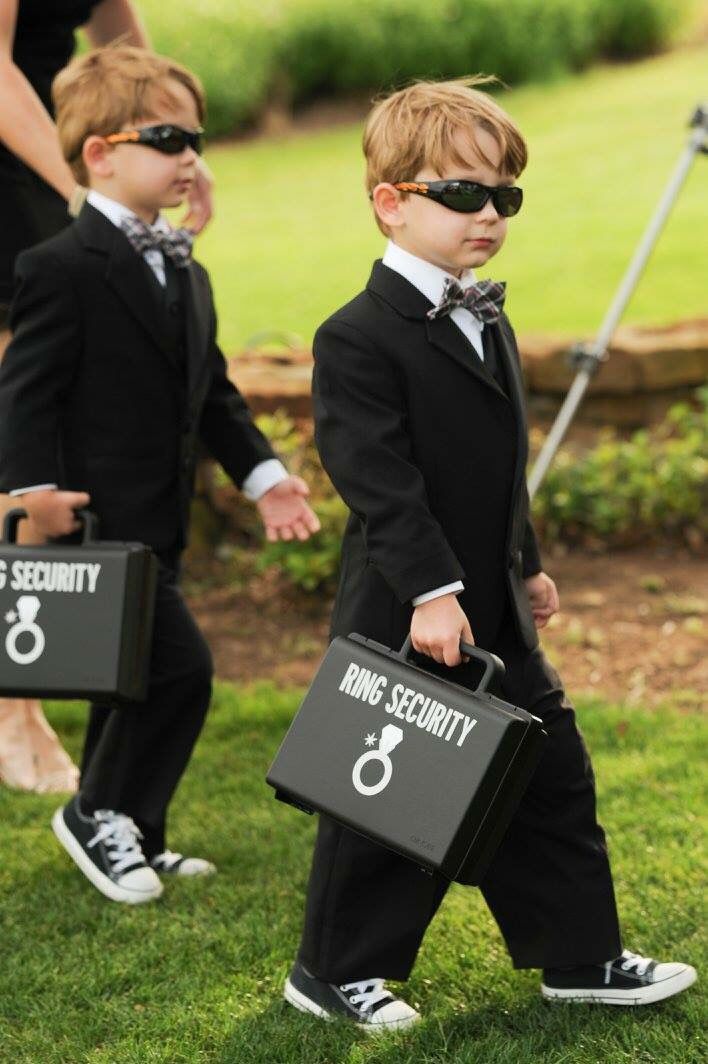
[30, 210]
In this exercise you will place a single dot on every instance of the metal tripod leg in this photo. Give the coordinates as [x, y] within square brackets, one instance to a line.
[590, 356]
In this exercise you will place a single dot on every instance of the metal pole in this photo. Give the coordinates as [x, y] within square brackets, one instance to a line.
[589, 356]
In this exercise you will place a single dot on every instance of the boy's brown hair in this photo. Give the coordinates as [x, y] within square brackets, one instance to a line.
[106, 89]
[416, 126]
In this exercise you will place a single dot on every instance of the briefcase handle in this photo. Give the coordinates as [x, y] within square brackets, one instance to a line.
[13, 518]
[494, 667]
[9, 525]
[90, 523]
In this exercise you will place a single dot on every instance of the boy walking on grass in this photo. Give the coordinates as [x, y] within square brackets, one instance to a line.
[111, 382]
[420, 424]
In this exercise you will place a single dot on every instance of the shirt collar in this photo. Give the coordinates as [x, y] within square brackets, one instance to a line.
[115, 212]
[427, 278]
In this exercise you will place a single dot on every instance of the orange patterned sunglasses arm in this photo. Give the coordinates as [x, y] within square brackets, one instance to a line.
[121, 138]
[411, 186]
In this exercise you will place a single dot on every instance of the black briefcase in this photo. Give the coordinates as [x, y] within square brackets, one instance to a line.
[414, 762]
[76, 621]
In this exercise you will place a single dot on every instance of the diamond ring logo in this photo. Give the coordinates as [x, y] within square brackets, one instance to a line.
[391, 736]
[23, 621]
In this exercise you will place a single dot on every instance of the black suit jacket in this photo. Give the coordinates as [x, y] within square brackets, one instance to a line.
[95, 396]
[429, 454]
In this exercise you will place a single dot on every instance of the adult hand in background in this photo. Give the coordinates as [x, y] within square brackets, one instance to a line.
[201, 201]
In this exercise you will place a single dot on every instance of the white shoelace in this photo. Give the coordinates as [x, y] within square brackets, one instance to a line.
[367, 993]
[634, 960]
[629, 960]
[121, 835]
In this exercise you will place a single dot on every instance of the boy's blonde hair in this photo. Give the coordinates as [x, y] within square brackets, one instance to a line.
[416, 127]
[103, 90]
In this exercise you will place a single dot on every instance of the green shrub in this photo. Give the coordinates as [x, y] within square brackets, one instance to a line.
[629, 490]
[230, 46]
[248, 52]
[620, 492]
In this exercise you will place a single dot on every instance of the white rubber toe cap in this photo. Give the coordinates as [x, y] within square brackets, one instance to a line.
[196, 866]
[140, 884]
[397, 1014]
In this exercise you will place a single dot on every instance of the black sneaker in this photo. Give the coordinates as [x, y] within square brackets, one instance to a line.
[106, 847]
[367, 1002]
[627, 980]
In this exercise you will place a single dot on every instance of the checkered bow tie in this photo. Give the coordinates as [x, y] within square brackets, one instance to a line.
[176, 244]
[485, 299]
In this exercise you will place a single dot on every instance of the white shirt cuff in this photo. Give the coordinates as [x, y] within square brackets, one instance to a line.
[448, 589]
[35, 487]
[263, 477]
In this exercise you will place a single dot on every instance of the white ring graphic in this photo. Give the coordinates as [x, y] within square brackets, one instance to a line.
[376, 788]
[24, 621]
[391, 736]
[28, 656]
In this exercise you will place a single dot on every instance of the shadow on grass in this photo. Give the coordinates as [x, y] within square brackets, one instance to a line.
[530, 1032]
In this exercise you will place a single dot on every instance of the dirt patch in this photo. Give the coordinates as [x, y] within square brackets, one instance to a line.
[632, 627]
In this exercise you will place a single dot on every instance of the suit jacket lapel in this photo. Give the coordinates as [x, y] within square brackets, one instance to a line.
[442, 333]
[506, 352]
[446, 337]
[127, 274]
[198, 321]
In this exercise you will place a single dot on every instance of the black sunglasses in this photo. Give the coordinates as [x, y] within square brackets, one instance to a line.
[171, 140]
[468, 197]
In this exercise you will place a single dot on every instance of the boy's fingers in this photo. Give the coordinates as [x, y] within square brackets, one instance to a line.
[451, 652]
[77, 500]
[466, 637]
[312, 521]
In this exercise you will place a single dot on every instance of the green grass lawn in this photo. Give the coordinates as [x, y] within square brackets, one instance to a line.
[197, 976]
[293, 237]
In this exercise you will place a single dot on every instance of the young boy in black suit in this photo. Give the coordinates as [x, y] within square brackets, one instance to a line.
[112, 380]
[420, 423]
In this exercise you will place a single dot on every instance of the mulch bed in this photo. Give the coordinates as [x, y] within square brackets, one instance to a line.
[632, 626]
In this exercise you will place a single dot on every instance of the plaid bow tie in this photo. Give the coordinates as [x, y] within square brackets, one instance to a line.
[176, 244]
[484, 299]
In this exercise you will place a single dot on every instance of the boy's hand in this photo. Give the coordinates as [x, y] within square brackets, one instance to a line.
[544, 598]
[437, 628]
[52, 511]
[285, 513]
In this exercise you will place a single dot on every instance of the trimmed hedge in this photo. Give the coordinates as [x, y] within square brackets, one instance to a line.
[250, 53]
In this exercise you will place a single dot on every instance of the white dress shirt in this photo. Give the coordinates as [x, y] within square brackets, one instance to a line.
[265, 475]
[430, 280]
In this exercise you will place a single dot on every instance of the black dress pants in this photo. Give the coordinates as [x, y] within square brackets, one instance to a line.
[135, 753]
[549, 886]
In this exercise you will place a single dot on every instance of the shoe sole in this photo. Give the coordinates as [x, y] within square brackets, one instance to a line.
[645, 995]
[303, 1003]
[99, 879]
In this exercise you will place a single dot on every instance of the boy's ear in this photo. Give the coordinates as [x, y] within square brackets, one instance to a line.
[98, 156]
[387, 204]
